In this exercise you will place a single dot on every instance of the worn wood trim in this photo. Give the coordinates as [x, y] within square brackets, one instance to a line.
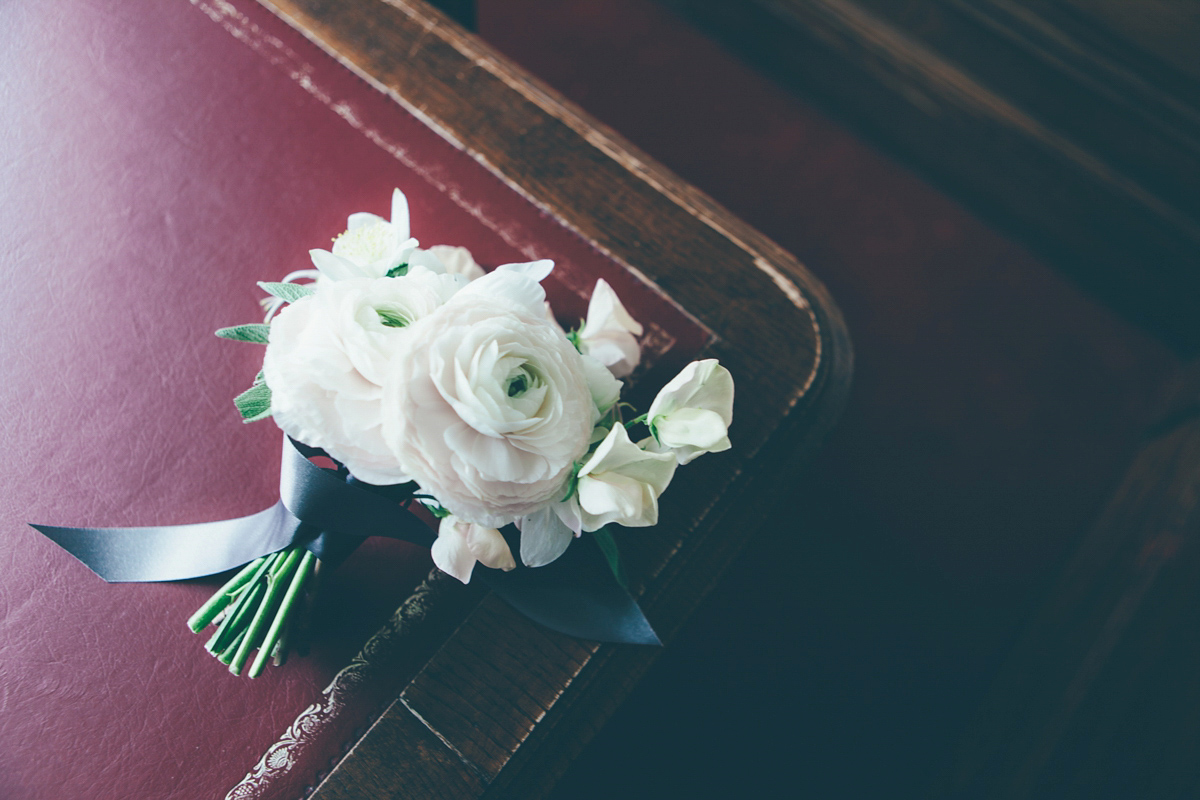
[461, 11]
[505, 701]
[1078, 145]
[568, 164]
[402, 757]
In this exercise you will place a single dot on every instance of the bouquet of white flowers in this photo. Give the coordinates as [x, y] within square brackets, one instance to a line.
[430, 382]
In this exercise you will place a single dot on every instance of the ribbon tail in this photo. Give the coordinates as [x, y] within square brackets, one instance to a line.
[577, 595]
[176, 552]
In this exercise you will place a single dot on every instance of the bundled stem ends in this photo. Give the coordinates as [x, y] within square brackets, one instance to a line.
[257, 610]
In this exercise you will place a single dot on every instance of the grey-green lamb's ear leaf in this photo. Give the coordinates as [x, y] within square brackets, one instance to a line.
[256, 333]
[254, 403]
[287, 292]
[260, 378]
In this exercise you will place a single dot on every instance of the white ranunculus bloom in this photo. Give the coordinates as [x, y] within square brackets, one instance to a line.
[445, 258]
[692, 413]
[326, 359]
[488, 405]
[370, 246]
[609, 333]
[621, 483]
[460, 544]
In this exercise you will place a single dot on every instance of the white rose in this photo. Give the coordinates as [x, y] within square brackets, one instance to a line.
[326, 358]
[370, 246]
[488, 405]
[692, 413]
[621, 483]
[608, 333]
[460, 544]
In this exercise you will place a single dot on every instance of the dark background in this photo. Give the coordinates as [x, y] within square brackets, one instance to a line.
[1004, 381]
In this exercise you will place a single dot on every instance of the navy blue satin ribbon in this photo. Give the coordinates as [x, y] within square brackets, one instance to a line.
[576, 595]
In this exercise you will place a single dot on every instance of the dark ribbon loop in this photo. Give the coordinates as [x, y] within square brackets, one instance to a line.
[576, 595]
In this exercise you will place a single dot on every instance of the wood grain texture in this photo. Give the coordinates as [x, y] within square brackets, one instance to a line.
[714, 265]
[402, 758]
[511, 681]
[1099, 698]
[507, 701]
[1074, 138]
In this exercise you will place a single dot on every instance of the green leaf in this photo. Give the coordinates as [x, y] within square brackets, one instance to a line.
[254, 403]
[287, 292]
[608, 546]
[256, 333]
[398, 271]
[572, 482]
[432, 506]
[574, 337]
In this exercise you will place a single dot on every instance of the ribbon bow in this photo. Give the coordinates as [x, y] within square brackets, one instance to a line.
[330, 516]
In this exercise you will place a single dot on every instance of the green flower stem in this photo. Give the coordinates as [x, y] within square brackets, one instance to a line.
[277, 581]
[264, 606]
[226, 655]
[299, 633]
[281, 646]
[282, 616]
[211, 644]
[234, 626]
[227, 593]
[227, 630]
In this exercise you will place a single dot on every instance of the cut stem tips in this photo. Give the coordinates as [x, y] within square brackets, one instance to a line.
[257, 609]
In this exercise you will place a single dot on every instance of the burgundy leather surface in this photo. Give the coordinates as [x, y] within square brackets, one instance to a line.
[157, 158]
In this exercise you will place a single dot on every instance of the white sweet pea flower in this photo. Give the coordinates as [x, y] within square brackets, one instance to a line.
[621, 483]
[461, 544]
[370, 246]
[692, 413]
[488, 405]
[608, 334]
[327, 355]
[602, 384]
[545, 534]
[536, 271]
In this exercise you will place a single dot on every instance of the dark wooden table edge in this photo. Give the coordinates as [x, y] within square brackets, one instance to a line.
[595, 692]
[600, 690]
